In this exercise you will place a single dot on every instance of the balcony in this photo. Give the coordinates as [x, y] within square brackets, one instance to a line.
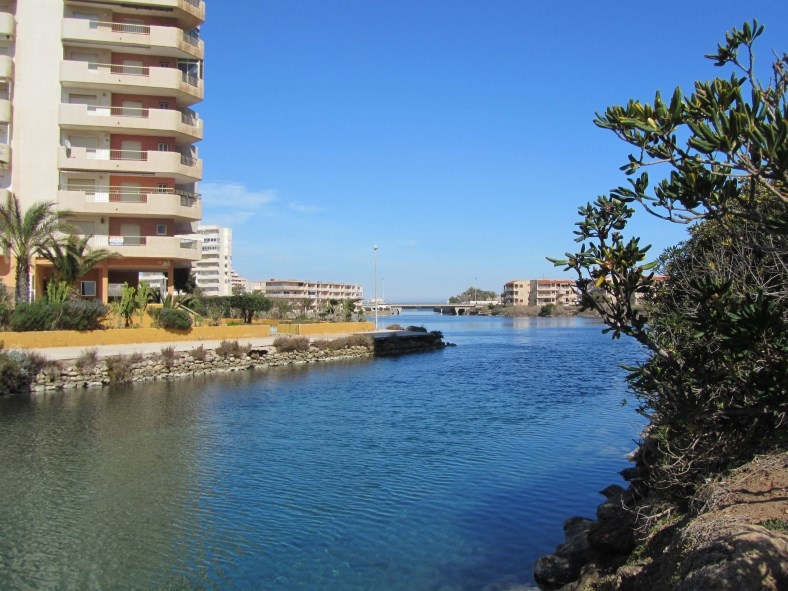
[190, 13]
[5, 157]
[157, 247]
[7, 26]
[184, 169]
[6, 67]
[5, 111]
[142, 39]
[185, 125]
[125, 202]
[148, 81]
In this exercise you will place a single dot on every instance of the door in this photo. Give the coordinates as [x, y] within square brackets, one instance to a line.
[131, 234]
[131, 150]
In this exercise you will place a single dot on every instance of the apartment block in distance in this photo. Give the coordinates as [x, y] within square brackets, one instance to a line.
[296, 291]
[540, 292]
[213, 272]
[101, 122]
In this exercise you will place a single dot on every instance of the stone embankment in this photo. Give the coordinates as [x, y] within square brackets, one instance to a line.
[734, 536]
[91, 371]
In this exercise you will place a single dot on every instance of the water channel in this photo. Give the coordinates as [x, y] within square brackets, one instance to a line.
[445, 471]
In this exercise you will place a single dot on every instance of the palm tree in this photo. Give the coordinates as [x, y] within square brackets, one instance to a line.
[24, 235]
[72, 258]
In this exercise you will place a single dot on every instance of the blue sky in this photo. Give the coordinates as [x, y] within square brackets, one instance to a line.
[455, 135]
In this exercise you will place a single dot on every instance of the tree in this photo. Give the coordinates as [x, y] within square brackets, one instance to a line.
[714, 384]
[72, 258]
[25, 235]
[248, 304]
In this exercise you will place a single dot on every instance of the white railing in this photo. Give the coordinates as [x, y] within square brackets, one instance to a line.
[134, 155]
[135, 29]
[131, 195]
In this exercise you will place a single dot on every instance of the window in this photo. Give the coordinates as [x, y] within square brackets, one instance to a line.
[163, 188]
[164, 105]
[88, 289]
[161, 229]
[163, 147]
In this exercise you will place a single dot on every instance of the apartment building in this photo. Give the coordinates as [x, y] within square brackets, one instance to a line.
[517, 293]
[101, 122]
[540, 292]
[294, 290]
[213, 272]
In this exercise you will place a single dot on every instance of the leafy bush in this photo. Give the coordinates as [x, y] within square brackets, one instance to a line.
[289, 344]
[416, 329]
[18, 369]
[82, 315]
[174, 318]
[547, 310]
[394, 326]
[76, 315]
[232, 349]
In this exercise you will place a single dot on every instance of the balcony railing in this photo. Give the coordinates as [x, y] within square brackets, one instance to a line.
[131, 195]
[170, 40]
[133, 155]
[134, 79]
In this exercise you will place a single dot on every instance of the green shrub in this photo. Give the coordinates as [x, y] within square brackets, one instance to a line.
[11, 377]
[40, 315]
[174, 318]
[547, 310]
[416, 329]
[394, 326]
[288, 344]
[34, 316]
[18, 369]
[82, 315]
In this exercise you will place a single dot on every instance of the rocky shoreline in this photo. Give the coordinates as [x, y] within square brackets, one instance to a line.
[733, 535]
[92, 372]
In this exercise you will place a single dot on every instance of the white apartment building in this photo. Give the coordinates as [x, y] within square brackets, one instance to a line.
[295, 290]
[96, 116]
[213, 272]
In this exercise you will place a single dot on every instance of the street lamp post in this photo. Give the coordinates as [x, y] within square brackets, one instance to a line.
[375, 248]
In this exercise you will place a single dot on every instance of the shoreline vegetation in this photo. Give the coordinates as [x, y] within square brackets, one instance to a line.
[31, 371]
[706, 502]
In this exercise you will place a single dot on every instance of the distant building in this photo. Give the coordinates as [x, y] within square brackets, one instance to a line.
[540, 292]
[238, 284]
[517, 293]
[214, 271]
[295, 290]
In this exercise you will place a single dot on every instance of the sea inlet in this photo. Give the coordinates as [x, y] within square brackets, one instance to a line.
[449, 470]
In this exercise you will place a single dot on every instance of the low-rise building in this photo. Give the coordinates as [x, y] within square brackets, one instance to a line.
[295, 290]
[540, 292]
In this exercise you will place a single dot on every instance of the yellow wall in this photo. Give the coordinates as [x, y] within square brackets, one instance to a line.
[73, 338]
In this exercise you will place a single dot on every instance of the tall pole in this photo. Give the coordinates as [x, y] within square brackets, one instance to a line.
[376, 286]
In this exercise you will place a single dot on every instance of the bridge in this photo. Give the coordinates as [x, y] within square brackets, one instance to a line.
[461, 309]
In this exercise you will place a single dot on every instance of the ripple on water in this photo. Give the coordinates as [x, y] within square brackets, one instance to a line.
[438, 471]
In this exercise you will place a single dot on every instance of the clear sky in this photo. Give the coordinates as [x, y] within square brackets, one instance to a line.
[456, 135]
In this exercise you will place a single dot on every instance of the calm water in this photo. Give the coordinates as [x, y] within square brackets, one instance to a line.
[443, 471]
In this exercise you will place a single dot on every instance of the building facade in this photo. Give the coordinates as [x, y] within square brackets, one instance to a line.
[517, 293]
[540, 292]
[96, 111]
[297, 291]
[213, 272]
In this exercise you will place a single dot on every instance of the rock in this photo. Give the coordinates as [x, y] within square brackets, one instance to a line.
[553, 572]
[613, 535]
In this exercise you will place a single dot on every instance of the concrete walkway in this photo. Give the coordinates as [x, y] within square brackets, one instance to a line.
[68, 353]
